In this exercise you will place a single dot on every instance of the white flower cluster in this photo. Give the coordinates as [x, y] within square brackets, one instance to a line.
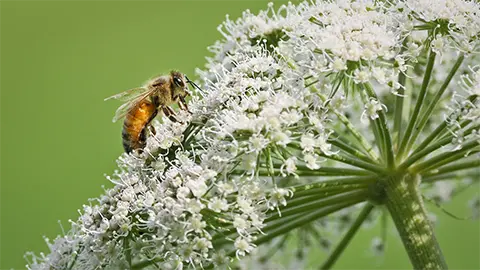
[202, 192]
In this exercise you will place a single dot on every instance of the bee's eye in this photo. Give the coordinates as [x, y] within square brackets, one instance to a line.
[177, 82]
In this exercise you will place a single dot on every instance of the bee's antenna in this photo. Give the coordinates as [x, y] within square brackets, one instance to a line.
[194, 84]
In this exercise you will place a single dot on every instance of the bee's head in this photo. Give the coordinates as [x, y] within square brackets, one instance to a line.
[179, 84]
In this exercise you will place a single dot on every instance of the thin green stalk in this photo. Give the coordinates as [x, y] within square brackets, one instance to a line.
[357, 135]
[355, 162]
[294, 223]
[449, 159]
[415, 157]
[331, 192]
[305, 171]
[298, 208]
[348, 160]
[454, 128]
[127, 251]
[316, 204]
[433, 103]
[437, 144]
[434, 160]
[383, 128]
[431, 137]
[465, 165]
[379, 138]
[377, 131]
[351, 150]
[440, 130]
[303, 220]
[145, 263]
[270, 168]
[418, 105]
[332, 258]
[316, 187]
[327, 186]
[444, 139]
[405, 204]
[227, 236]
[399, 98]
[449, 176]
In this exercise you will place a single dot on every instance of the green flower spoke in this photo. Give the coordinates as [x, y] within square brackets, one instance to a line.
[437, 132]
[450, 176]
[439, 158]
[351, 128]
[418, 105]
[384, 133]
[440, 130]
[464, 165]
[145, 263]
[303, 220]
[415, 157]
[305, 171]
[433, 103]
[316, 204]
[281, 228]
[331, 192]
[399, 98]
[348, 160]
[339, 182]
[355, 162]
[450, 159]
[349, 149]
[332, 258]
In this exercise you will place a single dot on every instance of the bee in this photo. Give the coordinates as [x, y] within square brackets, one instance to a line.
[144, 103]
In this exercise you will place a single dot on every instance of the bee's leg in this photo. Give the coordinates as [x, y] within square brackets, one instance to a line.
[183, 105]
[170, 114]
[152, 130]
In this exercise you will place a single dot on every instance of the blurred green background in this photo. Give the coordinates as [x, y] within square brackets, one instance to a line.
[59, 60]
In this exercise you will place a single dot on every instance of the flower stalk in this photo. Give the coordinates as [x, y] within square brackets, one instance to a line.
[405, 204]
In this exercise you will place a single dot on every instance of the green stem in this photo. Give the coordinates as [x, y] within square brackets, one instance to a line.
[332, 258]
[405, 204]
[432, 104]
[418, 105]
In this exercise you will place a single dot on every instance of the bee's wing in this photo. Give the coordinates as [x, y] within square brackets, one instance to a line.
[133, 97]
[130, 94]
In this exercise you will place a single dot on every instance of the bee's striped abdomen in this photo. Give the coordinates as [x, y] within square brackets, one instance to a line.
[134, 127]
